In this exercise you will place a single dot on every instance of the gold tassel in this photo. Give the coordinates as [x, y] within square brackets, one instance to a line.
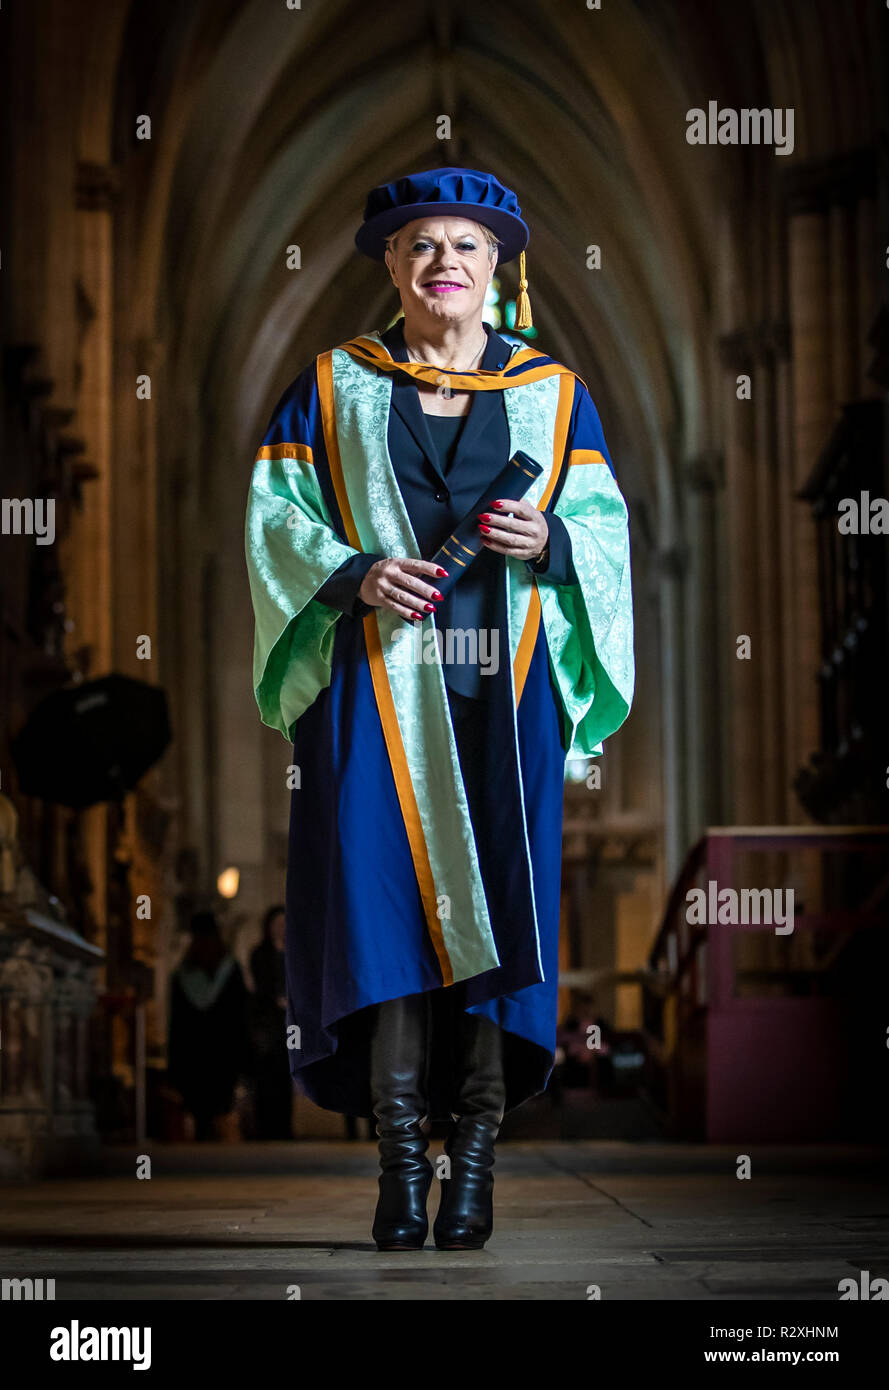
[523, 317]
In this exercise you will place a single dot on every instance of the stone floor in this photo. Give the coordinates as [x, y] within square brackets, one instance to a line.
[638, 1220]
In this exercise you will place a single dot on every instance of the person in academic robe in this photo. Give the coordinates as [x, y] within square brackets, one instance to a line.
[272, 1082]
[439, 563]
[208, 1043]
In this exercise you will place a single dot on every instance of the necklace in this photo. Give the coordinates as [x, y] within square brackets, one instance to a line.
[422, 362]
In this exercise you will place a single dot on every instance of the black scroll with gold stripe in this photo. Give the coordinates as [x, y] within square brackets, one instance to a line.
[465, 542]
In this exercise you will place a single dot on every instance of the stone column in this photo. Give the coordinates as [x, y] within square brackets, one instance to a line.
[770, 346]
[90, 585]
[813, 417]
[743, 583]
[870, 254]
[671, 566]
[843, 301]
[706, 661]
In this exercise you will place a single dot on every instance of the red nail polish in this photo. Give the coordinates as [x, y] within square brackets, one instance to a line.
[429, 607]
[484, 516]
[496, 504]
[442, 573]
[437, 594]
[486, 529]
[418, 616]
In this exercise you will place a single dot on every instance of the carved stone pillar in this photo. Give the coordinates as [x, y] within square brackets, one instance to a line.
[47, 993]
[73, 1001]
[25, 988]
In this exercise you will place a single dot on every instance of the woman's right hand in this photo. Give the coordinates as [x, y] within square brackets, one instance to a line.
[397, 584]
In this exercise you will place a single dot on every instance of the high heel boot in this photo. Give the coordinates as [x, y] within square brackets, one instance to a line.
[466, 1212]
[397, 1079]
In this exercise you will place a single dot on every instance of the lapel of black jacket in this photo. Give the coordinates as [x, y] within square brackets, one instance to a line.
[406, 397]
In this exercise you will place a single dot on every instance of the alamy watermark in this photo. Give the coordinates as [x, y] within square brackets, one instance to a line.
[29, 516]
[863, 516]
[744, 907]
[747, 126]
[454, 646]
[27, 1290]
[78, 1343]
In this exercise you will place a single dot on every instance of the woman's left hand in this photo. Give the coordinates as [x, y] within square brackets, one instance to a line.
[523, 534]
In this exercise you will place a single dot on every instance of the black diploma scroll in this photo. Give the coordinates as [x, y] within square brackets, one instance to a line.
[464, 542]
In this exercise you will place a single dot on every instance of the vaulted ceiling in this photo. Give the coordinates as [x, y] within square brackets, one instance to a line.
[269, 125]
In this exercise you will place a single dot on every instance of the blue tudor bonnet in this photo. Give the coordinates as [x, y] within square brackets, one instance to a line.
[478, 196]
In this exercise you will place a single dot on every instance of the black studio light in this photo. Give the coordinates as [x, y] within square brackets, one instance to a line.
[92, 742]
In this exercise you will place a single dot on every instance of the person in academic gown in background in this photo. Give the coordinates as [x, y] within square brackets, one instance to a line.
[425, 831]
[272, 1082]
[208, 1045]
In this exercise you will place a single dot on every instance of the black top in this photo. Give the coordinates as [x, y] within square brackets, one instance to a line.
[445, 431]
[472, 604]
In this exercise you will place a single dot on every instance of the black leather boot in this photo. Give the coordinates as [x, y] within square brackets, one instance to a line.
[466, 1212]
[397, 1080]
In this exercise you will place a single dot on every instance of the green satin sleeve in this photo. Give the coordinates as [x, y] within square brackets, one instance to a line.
[291, 549]
[589, 625]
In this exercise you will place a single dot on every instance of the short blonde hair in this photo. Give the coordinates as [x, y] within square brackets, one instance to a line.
[492, 240]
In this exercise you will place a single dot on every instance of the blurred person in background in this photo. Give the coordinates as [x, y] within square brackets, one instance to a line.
[208, 1042]
[272, 1084]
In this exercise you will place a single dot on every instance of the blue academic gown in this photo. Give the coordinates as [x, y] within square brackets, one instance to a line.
[357, 933]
